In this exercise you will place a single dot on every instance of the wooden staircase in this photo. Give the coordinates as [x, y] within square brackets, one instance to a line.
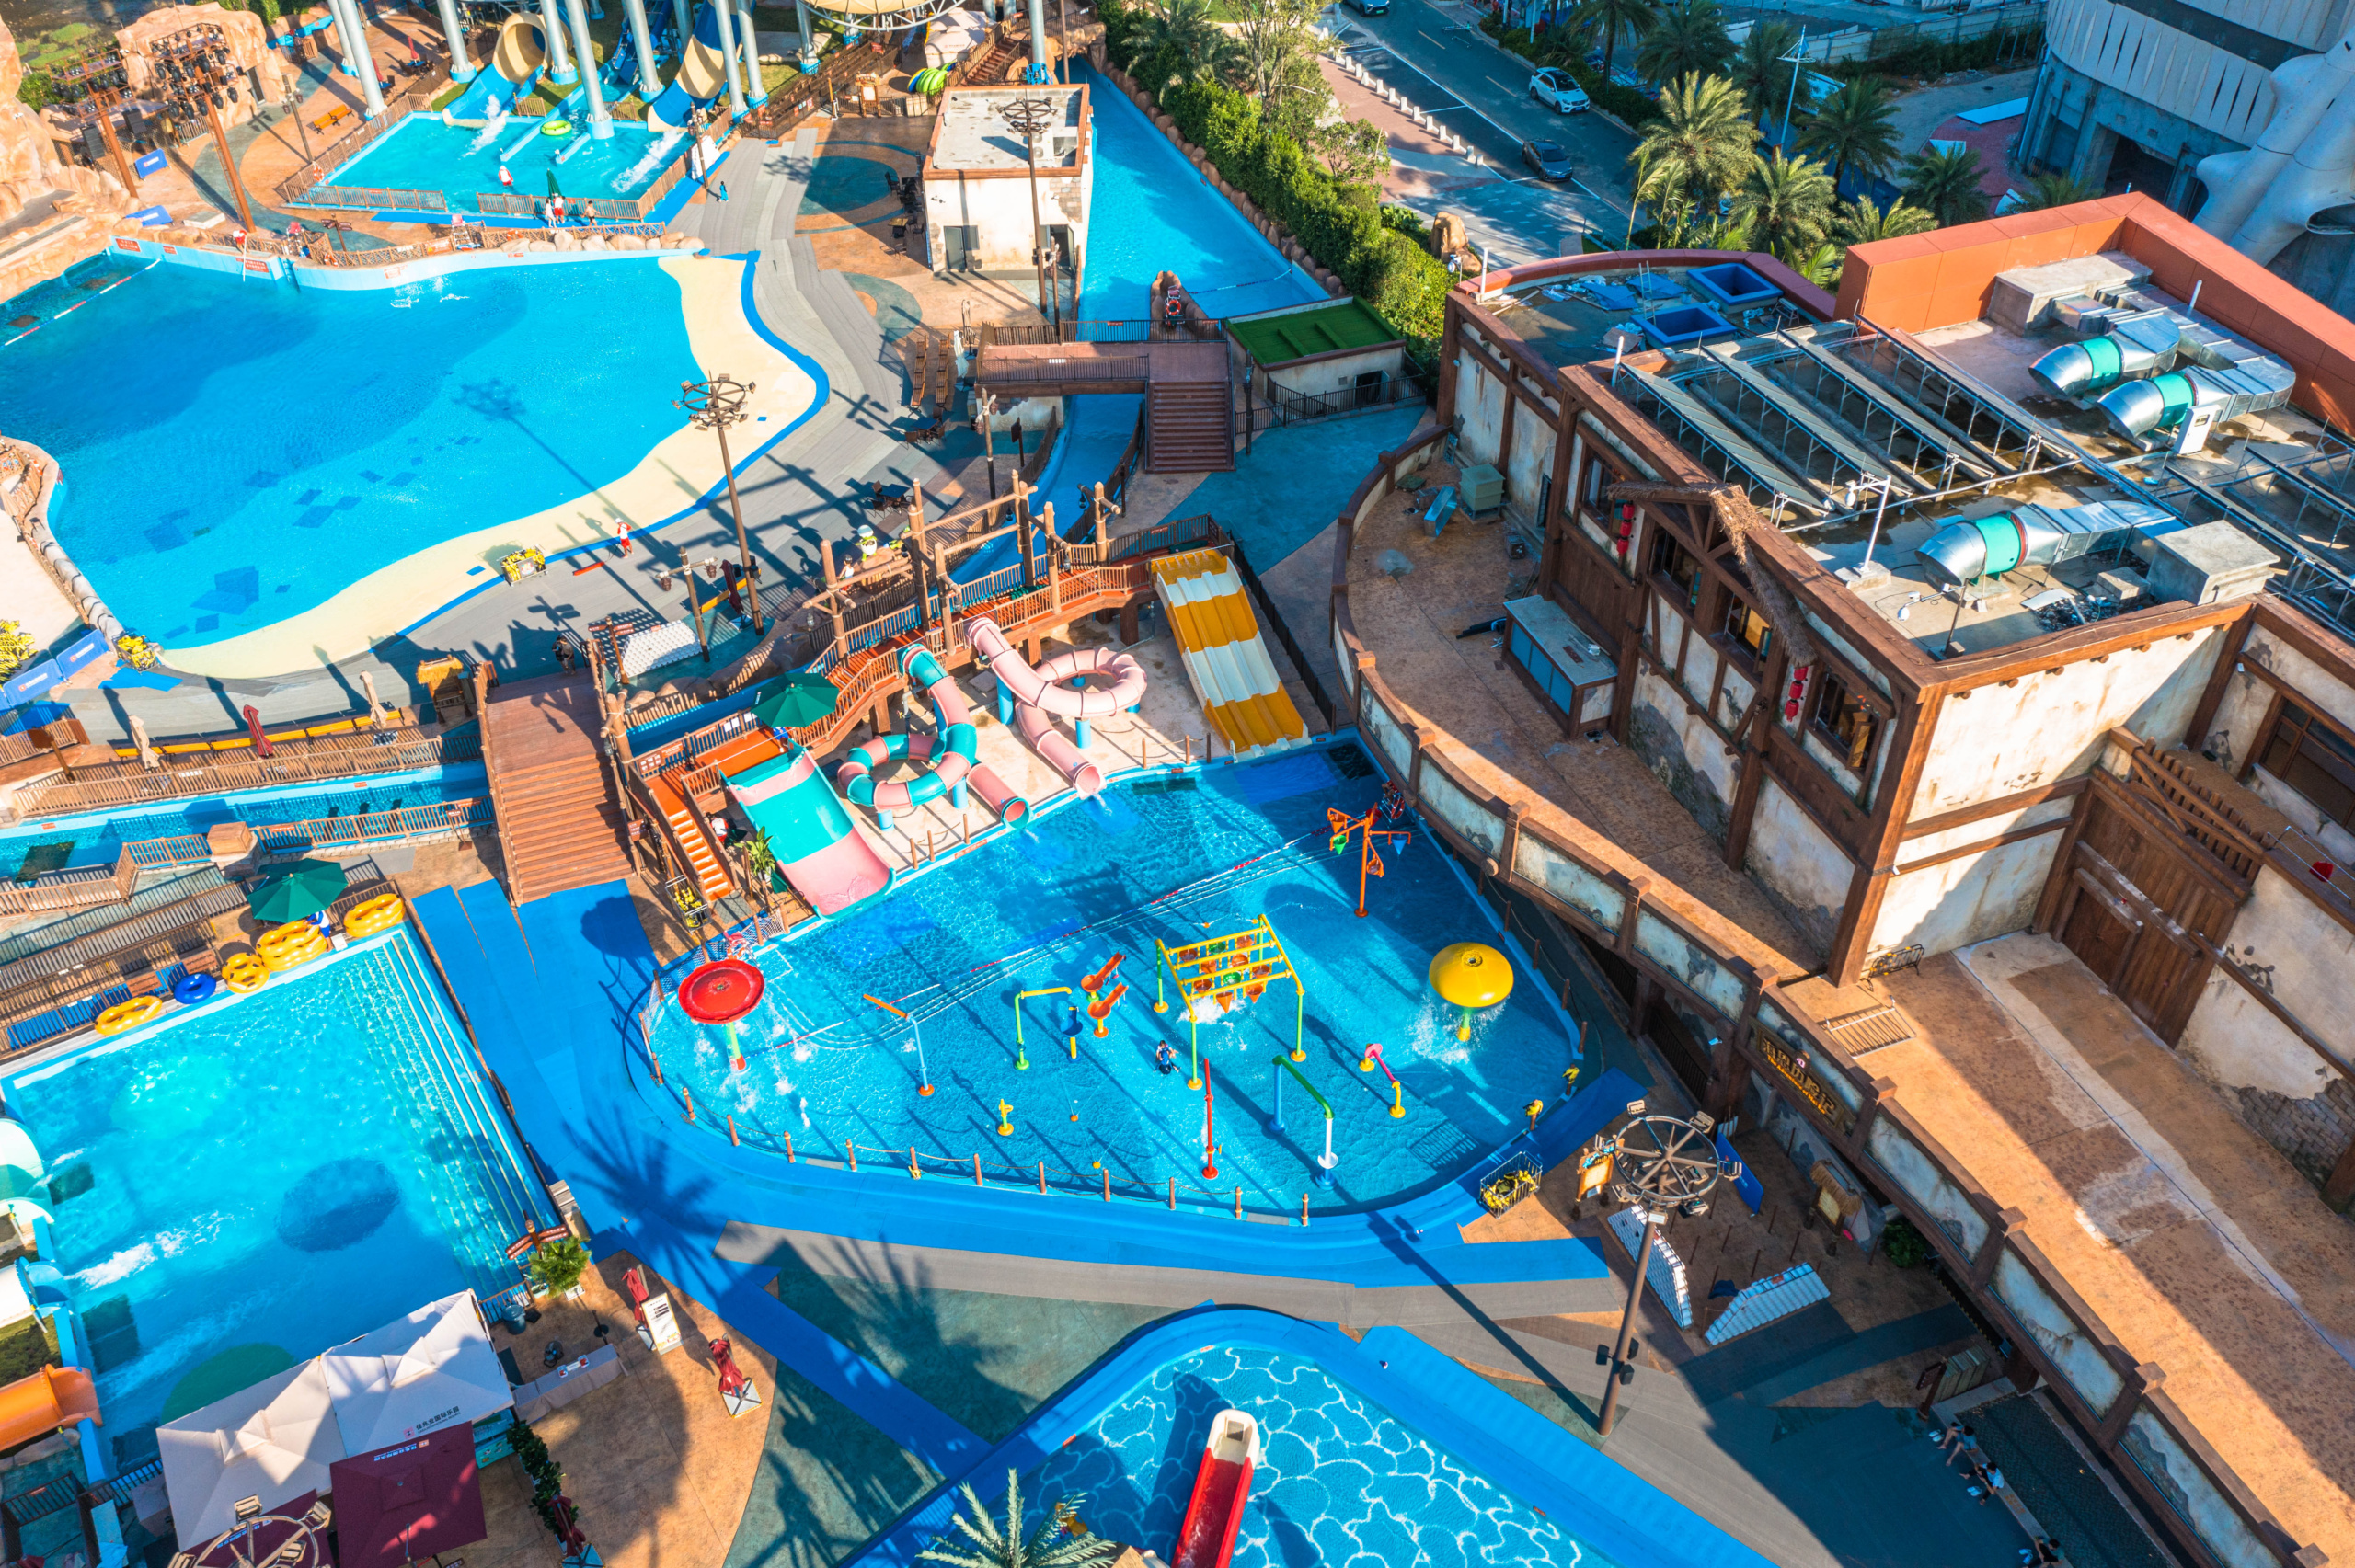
[1189, 427]
[559, 825]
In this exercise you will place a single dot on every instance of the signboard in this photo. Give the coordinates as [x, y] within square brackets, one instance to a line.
[1811, 1088]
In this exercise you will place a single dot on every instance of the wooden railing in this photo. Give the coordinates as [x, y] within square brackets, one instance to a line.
[2168, 780]
[798, 95]
[1695, 956]
[235, 766]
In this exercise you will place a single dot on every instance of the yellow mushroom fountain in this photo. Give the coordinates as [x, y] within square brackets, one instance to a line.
[1470, 976]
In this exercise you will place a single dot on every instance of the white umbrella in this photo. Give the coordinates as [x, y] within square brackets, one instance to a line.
[274, 1441]
[432, 1369]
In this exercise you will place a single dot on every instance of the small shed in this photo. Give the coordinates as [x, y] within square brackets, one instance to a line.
[1329, 356]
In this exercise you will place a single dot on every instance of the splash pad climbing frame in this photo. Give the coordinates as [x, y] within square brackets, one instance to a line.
[1219, 974]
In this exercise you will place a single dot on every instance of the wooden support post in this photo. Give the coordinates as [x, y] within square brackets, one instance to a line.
[1022, 532]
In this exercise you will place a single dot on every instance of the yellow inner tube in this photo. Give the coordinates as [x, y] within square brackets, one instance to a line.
[296, 942]
[1471, 974]
[129, 1014]
[380, 913]
[245, 973]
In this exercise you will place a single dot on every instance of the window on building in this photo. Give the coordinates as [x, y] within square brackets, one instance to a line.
[1747, 627]
[1598, 475]
[2315, 761]
[1842, 718]
[1672, 560]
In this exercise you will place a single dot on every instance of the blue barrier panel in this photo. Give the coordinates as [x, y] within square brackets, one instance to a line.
[152, 162]
[30, 683]
[83, 648]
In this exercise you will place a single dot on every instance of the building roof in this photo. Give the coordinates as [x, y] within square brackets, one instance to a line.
[1280, 337]
[972, 136]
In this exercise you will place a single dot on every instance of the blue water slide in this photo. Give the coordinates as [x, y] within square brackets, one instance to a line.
[513, 70]
[620, 78]
[701, 78]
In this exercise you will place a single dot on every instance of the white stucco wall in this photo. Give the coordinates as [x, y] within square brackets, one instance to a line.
[1000, 209]
[1339, 374]
[2305, 957]
[2233, 739]
[2003, 739]
[1687, 756]
[1791, 858]
[1972, 897]
[1479, 404]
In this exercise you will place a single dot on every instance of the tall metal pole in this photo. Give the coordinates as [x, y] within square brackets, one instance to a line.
[1030, 116]
[714, 405]
[1627, 1329]
[641, 38]
[601, 120]
[454, 32]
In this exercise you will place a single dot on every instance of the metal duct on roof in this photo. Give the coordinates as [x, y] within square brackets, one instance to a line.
[2037, 535]
[2144, 336]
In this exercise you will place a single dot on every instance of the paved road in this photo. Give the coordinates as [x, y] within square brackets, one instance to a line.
[1436, 62]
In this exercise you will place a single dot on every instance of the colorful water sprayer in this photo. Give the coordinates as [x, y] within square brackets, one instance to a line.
[723, 991]
[1280, 1064]
[1219, 974]
[923, 1073]
[1367, 1062]
[1469, 976]
[1021, 1053]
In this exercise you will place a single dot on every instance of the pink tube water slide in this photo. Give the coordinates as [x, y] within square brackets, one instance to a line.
[1042, 694]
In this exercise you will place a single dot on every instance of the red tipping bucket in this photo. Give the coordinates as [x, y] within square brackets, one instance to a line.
[721, 991]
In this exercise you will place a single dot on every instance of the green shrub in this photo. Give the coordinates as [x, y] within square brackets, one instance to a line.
[556, 1266]
[1340, 226]
[1906, 1247]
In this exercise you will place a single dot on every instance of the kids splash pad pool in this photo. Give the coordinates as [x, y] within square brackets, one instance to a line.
[928, 985]
[422, 154]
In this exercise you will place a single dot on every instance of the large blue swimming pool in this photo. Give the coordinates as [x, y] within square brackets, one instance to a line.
[237, 451]
[1178, 858]
[267, 1177]
[1343, 1481]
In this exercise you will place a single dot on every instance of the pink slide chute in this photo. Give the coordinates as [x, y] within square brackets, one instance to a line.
[1040, 695]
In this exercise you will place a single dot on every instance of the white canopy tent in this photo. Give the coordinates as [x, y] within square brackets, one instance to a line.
[273, 1441]
[433, 1369]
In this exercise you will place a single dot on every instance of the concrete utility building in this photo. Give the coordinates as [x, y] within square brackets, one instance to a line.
[1990, 622]
[2235, 112]
[977, 189]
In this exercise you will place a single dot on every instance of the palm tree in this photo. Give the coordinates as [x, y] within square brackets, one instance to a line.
[1699, 147]
[1759, 69]
[1788, 204]
[1187, 35]
[1610, 19]
[1861, 221]
[1007, 1547]
[1689, 39]
[1946, 181]
[2054, 190]
[1851, 129]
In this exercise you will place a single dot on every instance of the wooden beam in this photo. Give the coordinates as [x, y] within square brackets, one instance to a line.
[2212, 696]
[1963, 816]
[2013, 837]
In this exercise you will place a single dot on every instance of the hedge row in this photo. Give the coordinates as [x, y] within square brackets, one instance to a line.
[1340, 226]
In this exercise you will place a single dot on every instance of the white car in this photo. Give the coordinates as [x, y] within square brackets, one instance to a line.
[1556, 87]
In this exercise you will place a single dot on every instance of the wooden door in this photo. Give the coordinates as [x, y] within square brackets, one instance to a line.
[2150, 902]
[2096, 933]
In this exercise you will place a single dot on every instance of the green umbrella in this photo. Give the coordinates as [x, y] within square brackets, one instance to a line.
[791, 701]
[297, 890]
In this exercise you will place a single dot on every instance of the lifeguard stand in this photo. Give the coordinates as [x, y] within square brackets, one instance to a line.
[1242, 963]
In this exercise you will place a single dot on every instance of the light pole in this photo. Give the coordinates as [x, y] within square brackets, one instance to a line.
[1799, 53]
[1029, 116]
[1855, 489]
[714, 405]
[1659, 1164]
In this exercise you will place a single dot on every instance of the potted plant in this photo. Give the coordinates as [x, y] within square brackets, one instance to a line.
[556, 1266]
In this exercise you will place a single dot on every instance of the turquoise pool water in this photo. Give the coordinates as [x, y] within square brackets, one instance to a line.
[1175, 858]
[267, 1177]
[237, 451]
[422, 154]
[1149, 210]
[1341, 1481]
[94, 838]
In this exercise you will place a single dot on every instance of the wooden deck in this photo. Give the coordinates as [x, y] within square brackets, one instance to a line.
[1062, 369]
[558, 824]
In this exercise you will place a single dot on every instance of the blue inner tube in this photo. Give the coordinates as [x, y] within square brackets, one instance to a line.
[194, 988]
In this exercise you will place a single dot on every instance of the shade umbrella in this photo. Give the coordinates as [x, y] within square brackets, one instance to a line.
[405, 1503]
[431, 1369]
[791, 701]
[930, 81]
[274, 1441]
[297, 891]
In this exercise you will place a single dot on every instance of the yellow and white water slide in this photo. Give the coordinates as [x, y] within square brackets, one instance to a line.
[1225, 659]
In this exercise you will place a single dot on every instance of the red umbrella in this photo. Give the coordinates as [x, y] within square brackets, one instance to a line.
[408, 1501]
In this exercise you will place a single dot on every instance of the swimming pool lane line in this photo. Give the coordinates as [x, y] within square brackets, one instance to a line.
[1591, 1497]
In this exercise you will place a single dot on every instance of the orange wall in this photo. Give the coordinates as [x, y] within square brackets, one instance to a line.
[1936, 280]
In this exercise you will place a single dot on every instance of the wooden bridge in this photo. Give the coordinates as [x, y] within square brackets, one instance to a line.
[1187, 388]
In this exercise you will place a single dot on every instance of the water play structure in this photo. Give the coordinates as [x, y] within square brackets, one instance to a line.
[957, 765]
[517, 60]
[51, 1398]
[1221, 1487]
[817, 846]
[1031, 699]
[721, 993]
[708, 69]
[1217, 975]
[1226, 660]
[1470, 977]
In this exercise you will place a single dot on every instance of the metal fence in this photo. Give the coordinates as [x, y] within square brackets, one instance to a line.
[374, 199]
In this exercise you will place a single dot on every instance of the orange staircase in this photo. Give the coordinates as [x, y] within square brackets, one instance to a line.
[559, 825]
[685, 826]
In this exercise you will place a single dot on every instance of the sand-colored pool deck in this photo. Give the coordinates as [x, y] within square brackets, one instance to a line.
[670, 479]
